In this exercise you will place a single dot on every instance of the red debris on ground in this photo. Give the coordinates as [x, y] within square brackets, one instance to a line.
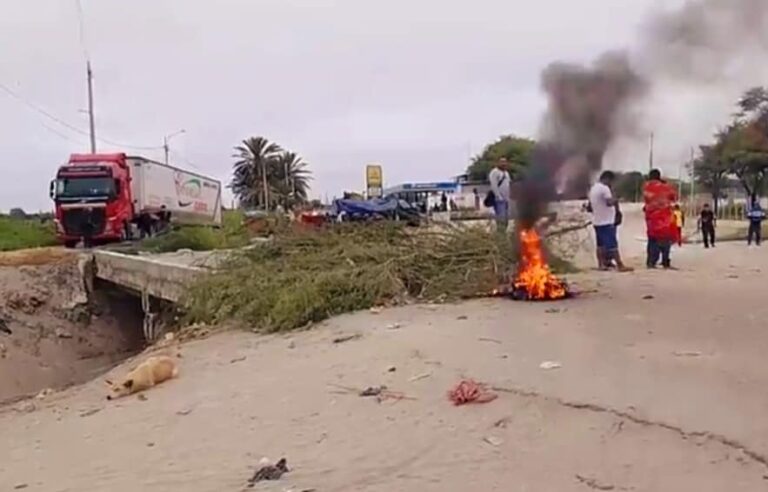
[470, 391]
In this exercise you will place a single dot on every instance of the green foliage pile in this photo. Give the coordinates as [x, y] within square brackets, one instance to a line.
[24, 233]
[305, 277]
[232, 234]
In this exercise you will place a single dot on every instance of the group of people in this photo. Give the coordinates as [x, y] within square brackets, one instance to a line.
[664, 217]
[150, 224]
[664, 221]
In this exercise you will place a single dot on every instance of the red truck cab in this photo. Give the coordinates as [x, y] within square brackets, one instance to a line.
[92, 193]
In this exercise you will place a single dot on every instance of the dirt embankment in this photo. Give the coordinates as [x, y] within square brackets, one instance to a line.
[51, 336]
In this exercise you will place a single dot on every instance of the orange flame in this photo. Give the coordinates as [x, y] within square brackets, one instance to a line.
[534, 276]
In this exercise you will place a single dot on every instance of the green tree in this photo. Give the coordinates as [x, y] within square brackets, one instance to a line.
[711, 171]
[265, 175]
[256, 156]
[740, 149]
[629, 186]
[517, 150]
[745, 144]
[754, 104]
[290, 180]
[743, 148]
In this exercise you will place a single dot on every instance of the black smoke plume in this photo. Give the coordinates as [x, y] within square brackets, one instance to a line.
[585, 110]
[590, 107]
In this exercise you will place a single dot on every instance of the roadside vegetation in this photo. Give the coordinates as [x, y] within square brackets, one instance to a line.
[739, 151]
[22, 233]
[305, 276]
[232, 234]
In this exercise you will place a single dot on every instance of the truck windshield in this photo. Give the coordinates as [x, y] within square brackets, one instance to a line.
[85, 187]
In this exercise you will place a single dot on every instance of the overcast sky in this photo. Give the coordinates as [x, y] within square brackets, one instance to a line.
[415, 85]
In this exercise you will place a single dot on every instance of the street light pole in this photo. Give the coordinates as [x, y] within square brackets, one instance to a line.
[166, 139]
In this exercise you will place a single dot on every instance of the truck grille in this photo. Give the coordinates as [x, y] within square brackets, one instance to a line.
[84, 222]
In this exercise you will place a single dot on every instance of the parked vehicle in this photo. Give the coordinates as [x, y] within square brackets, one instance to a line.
[109, 197]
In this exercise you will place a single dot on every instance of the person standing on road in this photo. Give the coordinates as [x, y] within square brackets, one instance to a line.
[659, 197]
[707, 223]
[499, 196]
[679, 223]
[756, 216]
[605, 212]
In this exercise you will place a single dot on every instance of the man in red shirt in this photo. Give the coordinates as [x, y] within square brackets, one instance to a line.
[659, 198]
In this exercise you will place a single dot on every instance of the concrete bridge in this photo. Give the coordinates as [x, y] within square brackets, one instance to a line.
[152, 277]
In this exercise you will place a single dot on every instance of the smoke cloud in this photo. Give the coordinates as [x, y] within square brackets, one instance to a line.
[706, 41]
[703, 45]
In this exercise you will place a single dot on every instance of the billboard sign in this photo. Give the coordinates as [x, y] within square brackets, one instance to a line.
[374, 181]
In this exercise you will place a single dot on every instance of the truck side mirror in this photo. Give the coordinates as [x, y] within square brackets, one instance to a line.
[117, 187]
[52, 189]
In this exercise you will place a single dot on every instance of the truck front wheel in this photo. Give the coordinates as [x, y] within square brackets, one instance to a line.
[71, 244]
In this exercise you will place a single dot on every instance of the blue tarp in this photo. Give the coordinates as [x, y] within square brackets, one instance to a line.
[379, 206]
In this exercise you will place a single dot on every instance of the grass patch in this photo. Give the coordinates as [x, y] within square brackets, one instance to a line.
[303, 277]
[22, 234]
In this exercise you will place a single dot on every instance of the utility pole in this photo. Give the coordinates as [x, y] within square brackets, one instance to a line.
[91, 116]
[693, 179]
[650, 154]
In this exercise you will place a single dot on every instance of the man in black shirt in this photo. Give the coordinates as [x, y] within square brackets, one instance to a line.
[707, 225]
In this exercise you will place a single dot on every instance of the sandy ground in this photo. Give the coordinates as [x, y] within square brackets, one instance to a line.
[662, 388]
[49, 335]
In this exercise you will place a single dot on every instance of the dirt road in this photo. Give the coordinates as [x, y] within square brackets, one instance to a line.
[662, 387]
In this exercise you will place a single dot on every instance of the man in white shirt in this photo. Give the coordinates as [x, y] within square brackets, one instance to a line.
[604, 207]
[500, 184]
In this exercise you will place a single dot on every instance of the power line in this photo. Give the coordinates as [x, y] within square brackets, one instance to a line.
[186, 161]
[69, 126]
[62, 135]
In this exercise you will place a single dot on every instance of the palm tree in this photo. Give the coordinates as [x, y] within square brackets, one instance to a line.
[292, 184]
[256, 161]
[265, 175]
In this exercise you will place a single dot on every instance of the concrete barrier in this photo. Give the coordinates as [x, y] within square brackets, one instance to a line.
[146, 275]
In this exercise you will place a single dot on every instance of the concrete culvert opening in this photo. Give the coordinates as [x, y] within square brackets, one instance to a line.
[53, 336]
